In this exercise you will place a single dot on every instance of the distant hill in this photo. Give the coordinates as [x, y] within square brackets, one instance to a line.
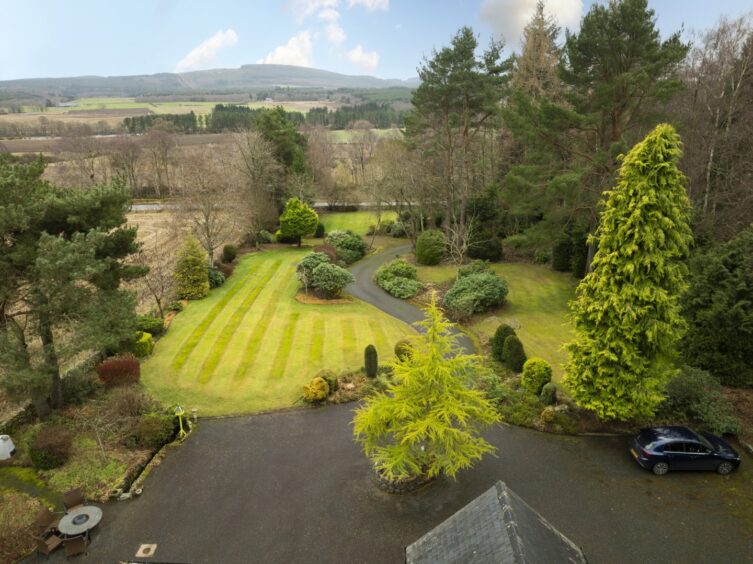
[244, 79]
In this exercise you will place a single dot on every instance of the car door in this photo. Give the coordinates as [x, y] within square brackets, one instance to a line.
[699, 457]
[676, 455]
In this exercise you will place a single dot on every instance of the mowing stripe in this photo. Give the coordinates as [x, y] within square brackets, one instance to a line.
[349, 343]
[318, 334]
[380, 339]
[228, 331]
[286, 343]
[259, 332]
[194, 338]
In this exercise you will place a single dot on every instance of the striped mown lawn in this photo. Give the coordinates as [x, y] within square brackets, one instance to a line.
[250, 346]
[358, 221]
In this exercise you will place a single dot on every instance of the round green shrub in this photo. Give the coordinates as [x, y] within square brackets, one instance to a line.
[330, 377]
[430, 247]
[191, 277]
[151, 431]
[51, 447]
[143, 345]
[403, 350]
[349, 246]
[475, 293]
[304, 270]
[330, 279]
[474, 267]
[316, 391]
[537, 372]
[498, 341]
[320, 231]
[548, 394]
[215, 277]
[513, 353]
[399, 267]
[402, 288]
[229, 252]
[152, 324]
[562, 252]
[298, 219]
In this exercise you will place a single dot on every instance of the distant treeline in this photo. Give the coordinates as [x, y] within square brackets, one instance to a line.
[231, 117]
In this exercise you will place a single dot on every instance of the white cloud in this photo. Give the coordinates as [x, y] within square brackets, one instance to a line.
[297, 51]
[201, 56]
[367, 60]
[508, 17]
[370, 5]
[302, 9]
[329, 15]
[335, 34]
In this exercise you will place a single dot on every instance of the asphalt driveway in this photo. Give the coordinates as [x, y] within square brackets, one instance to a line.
[293, 487]
[366, 289]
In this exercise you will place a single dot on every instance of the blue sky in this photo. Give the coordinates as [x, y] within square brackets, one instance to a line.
[385, 38]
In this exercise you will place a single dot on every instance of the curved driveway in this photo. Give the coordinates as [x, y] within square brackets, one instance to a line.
[364, 288]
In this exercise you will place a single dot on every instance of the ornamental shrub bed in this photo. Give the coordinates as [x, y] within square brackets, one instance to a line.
[475, 293]
[398, 278]
[350, 246]
[119, 371]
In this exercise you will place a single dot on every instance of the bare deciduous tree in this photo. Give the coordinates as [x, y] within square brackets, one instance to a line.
[125, 154]
[160, 148]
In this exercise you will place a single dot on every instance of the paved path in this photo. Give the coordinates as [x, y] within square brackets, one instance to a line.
[367, 290]
[292, 487]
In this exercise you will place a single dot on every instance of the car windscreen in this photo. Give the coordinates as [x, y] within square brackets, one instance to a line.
[646, 439]
[703, 440]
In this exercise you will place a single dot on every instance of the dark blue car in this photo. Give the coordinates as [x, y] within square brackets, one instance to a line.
[662, 449]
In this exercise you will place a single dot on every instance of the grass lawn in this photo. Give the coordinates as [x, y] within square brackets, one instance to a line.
[250, 346]
[358, 221]
[536, 307]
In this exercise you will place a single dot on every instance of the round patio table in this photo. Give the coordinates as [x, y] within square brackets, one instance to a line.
[80, 520]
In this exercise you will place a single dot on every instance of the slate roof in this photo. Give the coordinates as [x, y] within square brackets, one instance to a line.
[497, 527]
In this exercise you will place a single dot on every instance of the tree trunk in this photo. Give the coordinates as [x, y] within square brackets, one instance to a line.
[51, 362]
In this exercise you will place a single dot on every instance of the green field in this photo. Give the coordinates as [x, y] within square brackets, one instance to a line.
[250, 346]
[358, 222]
[536, 307]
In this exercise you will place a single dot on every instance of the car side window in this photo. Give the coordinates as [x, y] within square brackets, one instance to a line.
[696, 448]
[674, 447]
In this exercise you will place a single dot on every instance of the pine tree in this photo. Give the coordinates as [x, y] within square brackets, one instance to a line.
[536, 71]
[191, 276]
[428, 422]
[627, 311]
[298, 219]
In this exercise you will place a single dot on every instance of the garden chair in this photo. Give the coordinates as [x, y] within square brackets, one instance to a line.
[46, 522]
[73, 498]
[47, 545]
[75, 545]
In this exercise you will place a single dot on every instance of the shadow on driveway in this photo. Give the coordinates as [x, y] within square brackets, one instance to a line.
[293, 487]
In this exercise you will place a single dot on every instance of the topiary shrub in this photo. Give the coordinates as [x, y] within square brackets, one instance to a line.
[151, 431]
[119, 371]
[51, 447]
[229, 252]
[191, 278]
[152, 324]
[548, 394]
[316, 391]
[350, 246]
[215, 277]
[475, 293]
[143, 345]
[430, 247]
[513, 353]
[537, 372]
[304, 270]
[498, 341]
[403, 350]
[398, 278]
[562, 253]
[331, 378]
[371, 361]
[320, 231]
[330, 279]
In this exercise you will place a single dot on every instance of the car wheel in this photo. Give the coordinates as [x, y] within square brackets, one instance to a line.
[725, 468]
[660, 468]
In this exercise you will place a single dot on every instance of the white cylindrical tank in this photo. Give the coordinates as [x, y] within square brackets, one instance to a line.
[7, 448]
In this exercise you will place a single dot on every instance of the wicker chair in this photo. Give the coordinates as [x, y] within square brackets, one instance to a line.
[48, 544]
[73, 498]
[46, 522]
[75, 545]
